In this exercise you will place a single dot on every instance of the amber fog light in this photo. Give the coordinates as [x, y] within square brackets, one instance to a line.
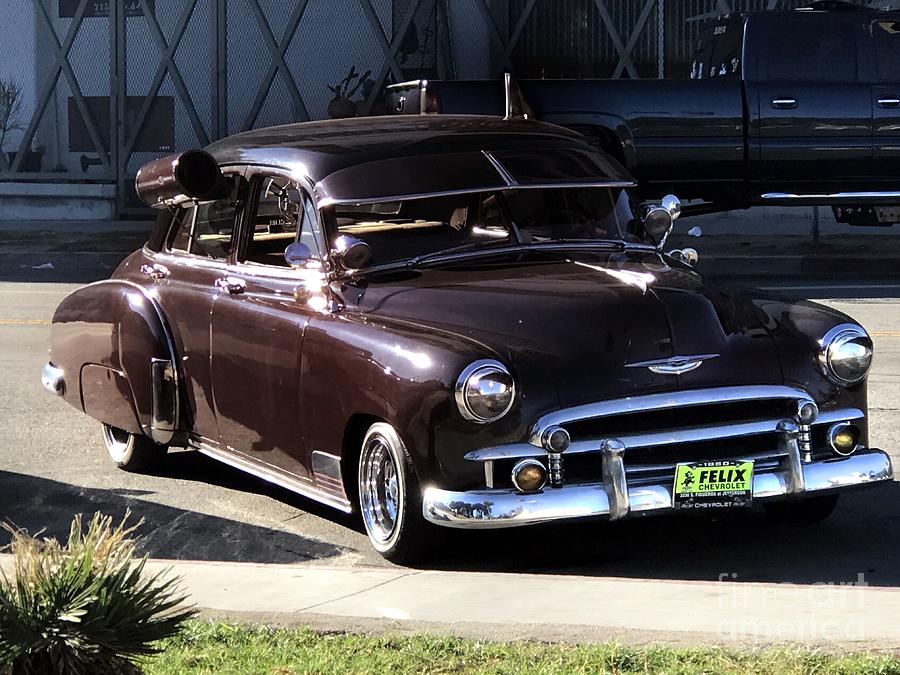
[529, 475]
[843, 438]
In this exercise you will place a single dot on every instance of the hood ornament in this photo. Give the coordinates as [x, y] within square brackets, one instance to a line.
[675, 365]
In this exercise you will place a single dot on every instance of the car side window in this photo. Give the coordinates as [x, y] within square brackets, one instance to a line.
[886, 35]
[284, 214]
[182, 226]
[207, 229]
[803, 50]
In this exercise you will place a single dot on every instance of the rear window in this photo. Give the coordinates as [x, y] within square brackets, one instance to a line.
[886, 35]
[810, 50]
[719, 50]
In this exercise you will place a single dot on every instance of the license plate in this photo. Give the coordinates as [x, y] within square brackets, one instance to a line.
[711, 485]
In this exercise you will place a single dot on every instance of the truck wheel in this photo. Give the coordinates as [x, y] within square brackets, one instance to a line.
[132, 452]
[805, 511]
[390, 498]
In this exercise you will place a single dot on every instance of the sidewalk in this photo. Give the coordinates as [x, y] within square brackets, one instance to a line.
[543, 607]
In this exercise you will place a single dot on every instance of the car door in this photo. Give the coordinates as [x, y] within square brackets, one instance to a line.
[812, 103]
[184, 274]
[886, 98]
[258, 320]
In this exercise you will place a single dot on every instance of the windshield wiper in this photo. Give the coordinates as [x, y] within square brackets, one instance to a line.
[462, 248]
[613, 244]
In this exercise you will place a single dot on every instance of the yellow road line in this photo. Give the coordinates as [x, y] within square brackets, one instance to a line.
[885, 333]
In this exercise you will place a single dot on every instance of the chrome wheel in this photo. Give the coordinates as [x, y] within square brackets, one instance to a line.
[380, 488]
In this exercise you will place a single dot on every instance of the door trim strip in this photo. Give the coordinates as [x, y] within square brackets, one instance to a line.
[275, 476]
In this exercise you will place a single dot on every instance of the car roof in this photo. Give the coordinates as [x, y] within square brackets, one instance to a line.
[378, 158]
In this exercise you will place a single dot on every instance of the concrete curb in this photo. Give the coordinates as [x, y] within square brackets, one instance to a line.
[546, 607]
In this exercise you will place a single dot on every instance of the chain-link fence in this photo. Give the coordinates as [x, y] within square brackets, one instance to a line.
[92, 89]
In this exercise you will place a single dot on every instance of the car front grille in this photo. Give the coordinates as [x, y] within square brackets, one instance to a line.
[660, 431]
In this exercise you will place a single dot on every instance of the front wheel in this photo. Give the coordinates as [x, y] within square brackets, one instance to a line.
[132, 452]
[806, 511]
[390, 498]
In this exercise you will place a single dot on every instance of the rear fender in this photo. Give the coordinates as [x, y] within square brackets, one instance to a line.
[115, 348]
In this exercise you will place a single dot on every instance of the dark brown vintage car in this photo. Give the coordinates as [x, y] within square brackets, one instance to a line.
[461, 322]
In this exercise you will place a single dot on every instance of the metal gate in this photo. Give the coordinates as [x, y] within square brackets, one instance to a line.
[92, 89]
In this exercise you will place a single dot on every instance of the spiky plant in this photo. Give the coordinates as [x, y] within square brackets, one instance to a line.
[86, 606]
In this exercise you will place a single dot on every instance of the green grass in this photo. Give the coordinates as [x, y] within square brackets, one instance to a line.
[228, 648]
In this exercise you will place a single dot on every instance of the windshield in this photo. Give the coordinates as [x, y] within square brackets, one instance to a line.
[412, 228]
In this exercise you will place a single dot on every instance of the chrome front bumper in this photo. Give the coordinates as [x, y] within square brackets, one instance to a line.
[508, 508]
[53, 379]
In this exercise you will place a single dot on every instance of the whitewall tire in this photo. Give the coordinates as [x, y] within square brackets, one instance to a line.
[390, 498]
[132, 452]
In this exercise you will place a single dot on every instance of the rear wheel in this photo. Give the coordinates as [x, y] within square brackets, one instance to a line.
[132, 452]
[806, 511]
[390, 498]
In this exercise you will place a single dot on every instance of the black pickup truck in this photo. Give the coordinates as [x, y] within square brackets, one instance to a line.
[783, 107]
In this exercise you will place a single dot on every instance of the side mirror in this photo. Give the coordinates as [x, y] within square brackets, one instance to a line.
[297, 255]
[688, 256]
[351, 253]
[659, 220]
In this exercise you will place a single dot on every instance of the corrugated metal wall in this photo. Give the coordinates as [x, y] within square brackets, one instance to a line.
[102, 87]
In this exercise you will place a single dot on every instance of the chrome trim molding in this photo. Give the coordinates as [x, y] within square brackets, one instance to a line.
[662, 437]
[672, 399]
[332, 201]
[53, 379]
[163, 406]
[838, 196]
[271, 474]
[486, 509]
[327, 472]
[675, 365]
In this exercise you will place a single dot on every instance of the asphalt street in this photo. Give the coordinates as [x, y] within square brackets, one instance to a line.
[52, 465]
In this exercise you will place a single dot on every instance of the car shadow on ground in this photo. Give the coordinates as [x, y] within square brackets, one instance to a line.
[39, 504]
[859, 541]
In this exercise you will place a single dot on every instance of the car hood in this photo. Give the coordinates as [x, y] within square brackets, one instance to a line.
[585, 322]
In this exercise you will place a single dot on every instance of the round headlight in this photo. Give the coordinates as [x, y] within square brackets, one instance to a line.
[846, 354]
[485, 391]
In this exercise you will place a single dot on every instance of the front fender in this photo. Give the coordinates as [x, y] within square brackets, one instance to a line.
[402, 374]
[796, 327]
[114, 346]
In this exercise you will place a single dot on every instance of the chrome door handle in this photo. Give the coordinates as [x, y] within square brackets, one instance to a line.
[889, 102]
[232, 285]
[155, 271]
[784, 103]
